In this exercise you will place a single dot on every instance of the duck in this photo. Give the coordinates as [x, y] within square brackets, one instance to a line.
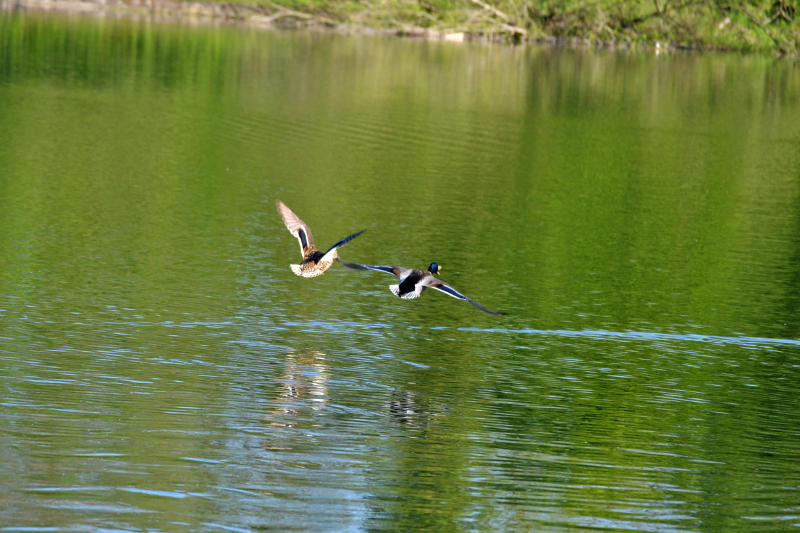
[413, 282]
[314, 263]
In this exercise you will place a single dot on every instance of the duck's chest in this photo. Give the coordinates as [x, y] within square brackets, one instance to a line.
[313, 258]
[411, 283]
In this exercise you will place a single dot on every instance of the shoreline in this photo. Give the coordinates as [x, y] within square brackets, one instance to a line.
[273, 16]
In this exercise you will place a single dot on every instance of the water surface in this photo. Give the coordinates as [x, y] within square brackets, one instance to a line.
[637, 217]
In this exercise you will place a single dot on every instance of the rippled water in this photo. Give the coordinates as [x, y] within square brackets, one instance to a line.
[161, 368]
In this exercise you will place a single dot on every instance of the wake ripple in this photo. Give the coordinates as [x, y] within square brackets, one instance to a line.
[381, 329]
[746, 341]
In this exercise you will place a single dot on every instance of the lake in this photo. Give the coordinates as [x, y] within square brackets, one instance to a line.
[636, 216]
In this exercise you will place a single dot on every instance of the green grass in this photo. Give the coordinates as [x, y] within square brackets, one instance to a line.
[745, 25]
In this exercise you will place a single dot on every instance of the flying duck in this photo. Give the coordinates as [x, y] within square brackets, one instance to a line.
[413, 282]
[315, 263]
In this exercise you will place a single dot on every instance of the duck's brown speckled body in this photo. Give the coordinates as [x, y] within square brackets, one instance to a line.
[314, 263]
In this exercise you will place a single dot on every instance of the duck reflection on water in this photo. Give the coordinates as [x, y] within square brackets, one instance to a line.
[304, 385]
[407, 408]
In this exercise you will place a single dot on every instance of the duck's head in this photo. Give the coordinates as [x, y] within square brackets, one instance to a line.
[434, 268]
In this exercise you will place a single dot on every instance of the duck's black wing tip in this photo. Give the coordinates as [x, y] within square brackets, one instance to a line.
[344, 241]
[447, 289]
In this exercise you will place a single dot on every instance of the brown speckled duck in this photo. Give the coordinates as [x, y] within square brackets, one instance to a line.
[315, 263]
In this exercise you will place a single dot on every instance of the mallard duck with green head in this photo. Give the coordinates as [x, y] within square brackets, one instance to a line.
[413, 282]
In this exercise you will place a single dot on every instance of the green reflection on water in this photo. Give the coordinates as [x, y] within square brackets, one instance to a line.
[151, 326]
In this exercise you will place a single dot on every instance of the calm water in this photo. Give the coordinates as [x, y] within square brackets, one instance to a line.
[161, 368]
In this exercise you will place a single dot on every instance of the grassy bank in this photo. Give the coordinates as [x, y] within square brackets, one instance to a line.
[745, 25]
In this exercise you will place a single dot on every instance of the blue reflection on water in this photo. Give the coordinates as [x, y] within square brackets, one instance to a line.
[744, 341]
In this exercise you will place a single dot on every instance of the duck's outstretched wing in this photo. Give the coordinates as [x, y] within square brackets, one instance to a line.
[447, 289]
[397, 271]
[297, 227]
[339, 244]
